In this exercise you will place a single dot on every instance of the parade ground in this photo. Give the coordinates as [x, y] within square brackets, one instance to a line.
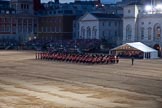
[29, 83]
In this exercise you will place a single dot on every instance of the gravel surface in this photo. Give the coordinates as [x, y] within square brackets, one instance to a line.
[29, 83]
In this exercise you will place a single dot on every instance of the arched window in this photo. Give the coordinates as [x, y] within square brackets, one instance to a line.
[142, 33]
[149, 33]
[88, 32]
[94, 32]
[157, 32]
[128, 32]
[82, 32]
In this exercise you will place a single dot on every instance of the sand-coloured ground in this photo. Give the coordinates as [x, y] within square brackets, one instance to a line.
[29, 83]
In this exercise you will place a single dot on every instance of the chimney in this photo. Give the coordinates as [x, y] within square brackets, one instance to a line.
[97, 2]
[57, 1]
[77, 1]
[37, 5]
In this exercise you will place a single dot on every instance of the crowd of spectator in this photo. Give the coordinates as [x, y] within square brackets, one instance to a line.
[130, 54]
[78, 45]
[8, 43]
[85, 45]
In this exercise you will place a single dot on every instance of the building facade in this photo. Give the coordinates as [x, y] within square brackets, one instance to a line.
[142, 1]
[23, 20]
[17, 21]
[101, 26]
[55, 27]
[140, 24]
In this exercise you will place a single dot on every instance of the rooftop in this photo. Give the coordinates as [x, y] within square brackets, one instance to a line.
[103, 15]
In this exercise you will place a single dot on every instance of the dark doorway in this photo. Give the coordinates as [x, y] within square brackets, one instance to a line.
[158, 48]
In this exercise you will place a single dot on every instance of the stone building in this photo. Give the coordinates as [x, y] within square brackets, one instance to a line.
[17, 21]
[101, 26]
[143, 24]
[55, 27]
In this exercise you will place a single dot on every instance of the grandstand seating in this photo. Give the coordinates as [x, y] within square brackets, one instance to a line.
[8, 44]
[85, 45]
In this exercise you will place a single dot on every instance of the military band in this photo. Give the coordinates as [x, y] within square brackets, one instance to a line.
[79, 58]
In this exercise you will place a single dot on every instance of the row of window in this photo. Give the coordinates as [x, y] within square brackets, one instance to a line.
[5, 20]
[53, 20]
[60, 12]
[88, 33]
[25, 21]
[20, 28]
[50, 29]
[27, 29]
[156, 31]
[24, 6]
[109, 24]
[7, 12]
[5, 28]
[142, 23]
[109, 33]
[92, 33]
[129, 11]
[13, 20]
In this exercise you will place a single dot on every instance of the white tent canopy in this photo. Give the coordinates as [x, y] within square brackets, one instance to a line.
[148, 52]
